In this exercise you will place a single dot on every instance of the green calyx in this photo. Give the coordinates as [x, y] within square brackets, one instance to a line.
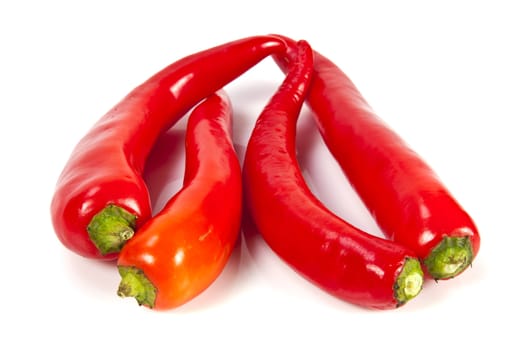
[409, 282]
[449, 258]
[111, 228]
[135, 284]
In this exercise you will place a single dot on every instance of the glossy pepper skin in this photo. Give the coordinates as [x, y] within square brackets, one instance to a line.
[348, 263]
[408, 200]
[102, 181]
[179, 252]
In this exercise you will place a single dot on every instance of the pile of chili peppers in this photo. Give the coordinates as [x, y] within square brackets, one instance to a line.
[101, 206]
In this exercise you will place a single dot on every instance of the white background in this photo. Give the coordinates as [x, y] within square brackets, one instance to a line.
[448, 77]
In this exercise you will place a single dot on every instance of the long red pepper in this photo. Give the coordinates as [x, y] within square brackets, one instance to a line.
[179, 252]
[100, 198]
[406, 197]
[339, 258]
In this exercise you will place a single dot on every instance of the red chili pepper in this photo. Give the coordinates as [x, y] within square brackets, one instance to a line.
[406, 197]
[101, 198]
[357, 267]
[179, 252]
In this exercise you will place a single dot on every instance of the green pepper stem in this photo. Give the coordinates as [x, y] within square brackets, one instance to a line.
[409, 282]
[135, 284]
[449, 258]
[111, 228]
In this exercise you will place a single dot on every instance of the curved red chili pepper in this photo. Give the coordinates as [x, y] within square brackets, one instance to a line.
[406, 197]
[180, 251]
[339, 258]
[100, 197]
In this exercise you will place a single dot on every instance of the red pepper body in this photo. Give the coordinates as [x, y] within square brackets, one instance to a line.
[184, 248]
[106, 166]
[406, 197]
[331, 253]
